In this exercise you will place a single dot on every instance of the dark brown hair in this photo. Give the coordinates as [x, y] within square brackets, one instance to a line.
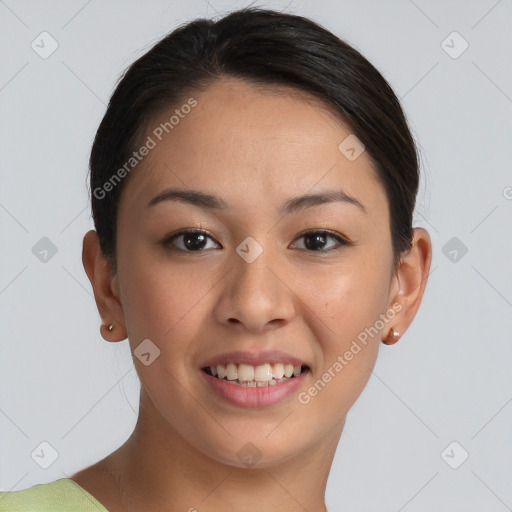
[264, 47]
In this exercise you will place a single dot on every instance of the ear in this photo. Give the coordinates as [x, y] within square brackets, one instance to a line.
[410, 279]
[106, 288]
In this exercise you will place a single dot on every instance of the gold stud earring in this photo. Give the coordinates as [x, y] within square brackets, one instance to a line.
[395, 335]
[110, 327]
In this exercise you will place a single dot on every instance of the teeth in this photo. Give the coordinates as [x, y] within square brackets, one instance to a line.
[253, 383]
[231, 371]
[263, 373]
[278, 371]
[252, 376]
[245, 372]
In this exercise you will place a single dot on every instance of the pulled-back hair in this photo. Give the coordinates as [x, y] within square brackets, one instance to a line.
[260, 46]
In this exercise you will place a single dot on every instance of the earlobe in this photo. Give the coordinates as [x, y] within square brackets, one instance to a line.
[392, 337]
[106, 291]
[411, 279]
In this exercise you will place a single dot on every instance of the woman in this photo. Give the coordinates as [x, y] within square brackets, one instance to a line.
[253, 183]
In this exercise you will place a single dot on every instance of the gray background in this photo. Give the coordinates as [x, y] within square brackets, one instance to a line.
[447, 380]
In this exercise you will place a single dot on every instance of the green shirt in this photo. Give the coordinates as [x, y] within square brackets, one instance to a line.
[63, 495]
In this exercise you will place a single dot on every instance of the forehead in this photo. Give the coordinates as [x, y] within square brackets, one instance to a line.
[252, 145]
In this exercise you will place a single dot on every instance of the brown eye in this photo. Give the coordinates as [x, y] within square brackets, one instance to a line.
[317, 240]
[192, 240]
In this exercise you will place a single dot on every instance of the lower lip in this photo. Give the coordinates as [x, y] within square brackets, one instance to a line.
[256, 396]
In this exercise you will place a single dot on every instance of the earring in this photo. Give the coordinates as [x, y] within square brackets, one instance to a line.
[110, 327]
[395, 335]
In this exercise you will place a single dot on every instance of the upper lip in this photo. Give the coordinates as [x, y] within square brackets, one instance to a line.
[253, 358]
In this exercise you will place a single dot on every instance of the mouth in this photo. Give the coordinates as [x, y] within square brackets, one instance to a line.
[256, 376]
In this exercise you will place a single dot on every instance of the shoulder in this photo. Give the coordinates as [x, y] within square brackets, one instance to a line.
[61, 495]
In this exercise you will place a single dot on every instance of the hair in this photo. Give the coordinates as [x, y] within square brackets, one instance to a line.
[265, 47]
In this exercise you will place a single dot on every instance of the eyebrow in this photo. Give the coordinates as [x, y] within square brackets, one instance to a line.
[209, 201]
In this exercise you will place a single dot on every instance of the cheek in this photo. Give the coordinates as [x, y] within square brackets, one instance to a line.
[353, 296]
[164, 301]
[350, 302]
[348, 351]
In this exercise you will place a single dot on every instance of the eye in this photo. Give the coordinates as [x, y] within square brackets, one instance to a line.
[316, 240]
[194, 240]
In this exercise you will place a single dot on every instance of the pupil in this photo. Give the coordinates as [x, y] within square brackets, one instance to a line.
[318, 237]
[193, 245]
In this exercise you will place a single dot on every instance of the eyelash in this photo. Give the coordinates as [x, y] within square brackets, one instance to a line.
[343, 242]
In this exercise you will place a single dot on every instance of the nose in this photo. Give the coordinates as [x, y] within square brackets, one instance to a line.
[256, 295]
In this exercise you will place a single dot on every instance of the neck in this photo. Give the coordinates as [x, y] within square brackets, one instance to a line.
[157, 468]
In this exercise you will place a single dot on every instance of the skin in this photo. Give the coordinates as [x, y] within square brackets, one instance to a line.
[195, 305]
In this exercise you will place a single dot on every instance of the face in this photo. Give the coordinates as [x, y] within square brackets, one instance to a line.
[305, 280]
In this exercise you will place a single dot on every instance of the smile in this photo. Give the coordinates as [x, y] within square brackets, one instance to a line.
[255, 376]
